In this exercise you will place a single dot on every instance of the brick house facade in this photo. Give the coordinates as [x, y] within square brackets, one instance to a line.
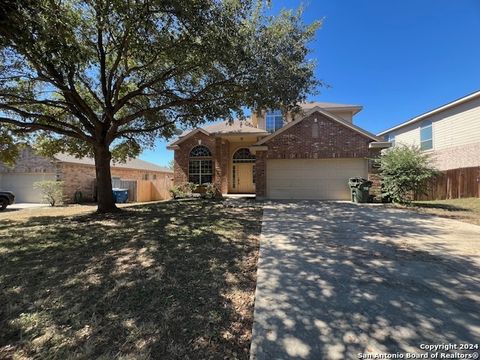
[319, 135]
[333, 141]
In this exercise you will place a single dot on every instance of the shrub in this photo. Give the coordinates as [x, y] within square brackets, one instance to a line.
[183, 191]
[52, 191]
[405, 170]
[177, 192]
[187, 190]
[210, 191]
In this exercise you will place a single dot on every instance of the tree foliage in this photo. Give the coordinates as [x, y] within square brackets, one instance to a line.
[105, 78]
[9, 147]
[405, 170]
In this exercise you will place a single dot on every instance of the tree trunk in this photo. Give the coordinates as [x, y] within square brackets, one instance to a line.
[106, 202]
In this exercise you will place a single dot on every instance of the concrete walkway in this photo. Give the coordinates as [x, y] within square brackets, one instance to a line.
[339, 279]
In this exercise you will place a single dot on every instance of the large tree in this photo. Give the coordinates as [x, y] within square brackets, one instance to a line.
[104, 78]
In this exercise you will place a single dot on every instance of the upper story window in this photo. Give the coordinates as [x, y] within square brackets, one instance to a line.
[273, 120]
[426, 142]
[390, 138]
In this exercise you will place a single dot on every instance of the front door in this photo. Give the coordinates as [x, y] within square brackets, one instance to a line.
[243, 177]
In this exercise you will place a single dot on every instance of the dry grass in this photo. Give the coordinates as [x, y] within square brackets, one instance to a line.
[12, 213]
[169, 280]
[467, 210]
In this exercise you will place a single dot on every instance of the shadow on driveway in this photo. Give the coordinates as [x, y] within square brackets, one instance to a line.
[338, 279]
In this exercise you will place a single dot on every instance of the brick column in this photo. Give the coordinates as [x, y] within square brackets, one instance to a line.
[221, 165]
[260, 175]
[180, 167]
[374, 176]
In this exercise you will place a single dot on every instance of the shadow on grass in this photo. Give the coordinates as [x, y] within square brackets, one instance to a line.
[447, 207]
[170, 280]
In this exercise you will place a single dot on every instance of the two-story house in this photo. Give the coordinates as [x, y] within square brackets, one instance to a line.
[309, 155]
[451, 135]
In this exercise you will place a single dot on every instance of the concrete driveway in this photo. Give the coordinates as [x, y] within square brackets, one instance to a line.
[336, 280]
[22, 206]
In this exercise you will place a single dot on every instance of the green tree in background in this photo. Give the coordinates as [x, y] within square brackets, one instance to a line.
[105, 78]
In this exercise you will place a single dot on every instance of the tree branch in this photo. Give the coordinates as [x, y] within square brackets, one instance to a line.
[59, 124]
[29, 127]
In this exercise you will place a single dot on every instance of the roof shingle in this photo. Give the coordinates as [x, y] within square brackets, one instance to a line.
[135, 164]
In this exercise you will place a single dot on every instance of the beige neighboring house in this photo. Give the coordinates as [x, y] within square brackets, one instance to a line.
[76, 174]
[310, 155]
[450, 133]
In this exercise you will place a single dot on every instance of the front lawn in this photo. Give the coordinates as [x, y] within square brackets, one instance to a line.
[467, 209]
[161, 281]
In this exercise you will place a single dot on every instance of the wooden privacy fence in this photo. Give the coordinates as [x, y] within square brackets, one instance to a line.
[145, 190]
[152, 190]
[131, 185]
[454, 184]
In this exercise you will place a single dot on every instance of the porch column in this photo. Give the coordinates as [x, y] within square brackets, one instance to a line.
[221, 165]
[260, 174]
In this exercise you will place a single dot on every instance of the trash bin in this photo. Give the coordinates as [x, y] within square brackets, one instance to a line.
[360, 189]
[120, 195]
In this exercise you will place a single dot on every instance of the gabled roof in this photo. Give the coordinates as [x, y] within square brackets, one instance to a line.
[325, 113]
[434, 111]
[135, 164]
[187, 135]
[234, 127]
[221, 128]
[246, 127]
[226, 127]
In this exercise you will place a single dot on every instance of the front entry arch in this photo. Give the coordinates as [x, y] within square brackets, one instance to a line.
[243, 171]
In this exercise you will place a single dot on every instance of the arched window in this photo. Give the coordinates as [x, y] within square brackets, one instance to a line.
[200, 151]
[200, 169]
[243, 155]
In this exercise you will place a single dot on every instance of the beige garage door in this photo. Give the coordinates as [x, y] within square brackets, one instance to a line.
[22, 186]
[312, 179]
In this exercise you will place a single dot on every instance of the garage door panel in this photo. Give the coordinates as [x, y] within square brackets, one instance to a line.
[22, 185]
[325, 179]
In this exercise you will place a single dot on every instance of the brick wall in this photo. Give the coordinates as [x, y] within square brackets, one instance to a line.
[221, 165]
[334, 141]
[457, 157]
[78, 177]
[260, 174]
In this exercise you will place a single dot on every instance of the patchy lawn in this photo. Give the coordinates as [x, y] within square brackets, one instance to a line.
[467, 210]
[168, 280]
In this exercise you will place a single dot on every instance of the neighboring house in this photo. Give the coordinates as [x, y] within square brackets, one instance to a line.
[310, 155]
[76, 174]
[450, 133]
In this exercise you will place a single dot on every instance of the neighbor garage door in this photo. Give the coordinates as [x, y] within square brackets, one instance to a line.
[22, 186]
[312, 179]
